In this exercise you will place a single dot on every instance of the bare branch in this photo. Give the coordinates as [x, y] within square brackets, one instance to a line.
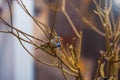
[7, 24]
[35, 20]
[68, 18]
[93, 27]
[33, 55]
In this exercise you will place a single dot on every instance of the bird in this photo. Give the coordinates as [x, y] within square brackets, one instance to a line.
[56, 42]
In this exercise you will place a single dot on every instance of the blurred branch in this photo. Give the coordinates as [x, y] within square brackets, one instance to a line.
[112, 37]
[68, 18]
[85, 20]
[35, 20]
[10, 10]
[68, 59]
[93, 27]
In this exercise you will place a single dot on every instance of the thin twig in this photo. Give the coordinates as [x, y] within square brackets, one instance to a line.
[11, 17]
[35, 20]
[61, 66]
[93, 27]
[7, 24]
[33, 55]
[68, 18]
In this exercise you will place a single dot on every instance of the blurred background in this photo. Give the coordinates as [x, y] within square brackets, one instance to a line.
[16, 64]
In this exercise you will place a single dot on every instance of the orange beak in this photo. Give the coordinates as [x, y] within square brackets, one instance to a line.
[61, 39]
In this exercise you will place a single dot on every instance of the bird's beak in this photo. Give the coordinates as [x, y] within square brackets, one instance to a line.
[61, 39]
